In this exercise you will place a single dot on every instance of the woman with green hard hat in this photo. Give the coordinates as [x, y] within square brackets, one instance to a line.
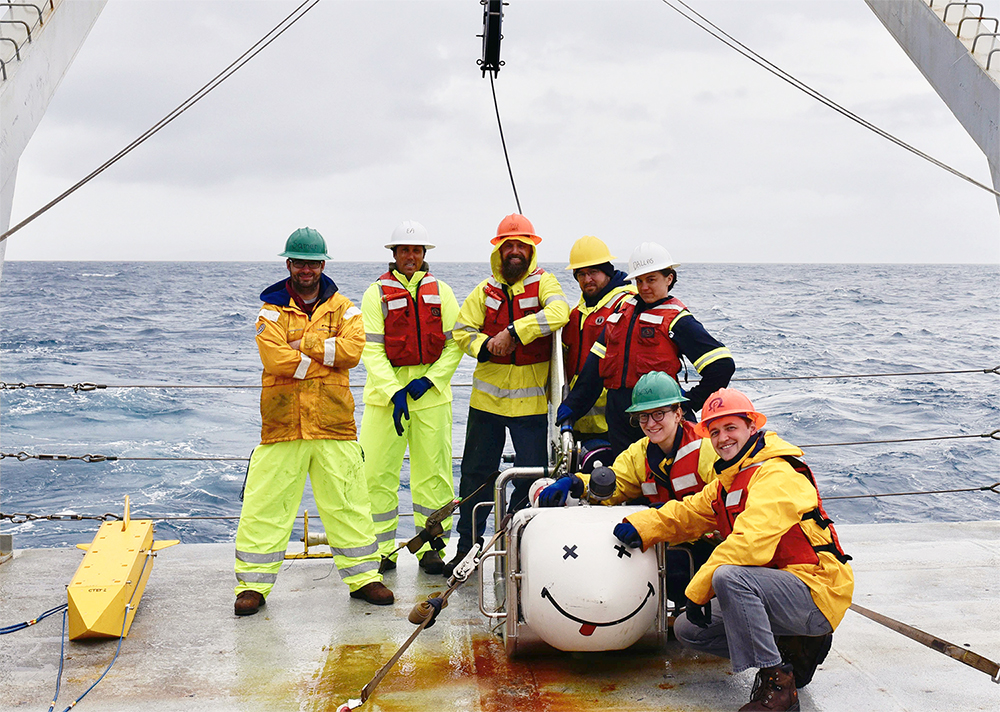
[671, 462]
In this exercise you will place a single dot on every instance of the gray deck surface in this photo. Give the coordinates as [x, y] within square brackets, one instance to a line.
[312, 647]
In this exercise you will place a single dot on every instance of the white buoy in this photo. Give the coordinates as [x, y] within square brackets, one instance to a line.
[582, 589]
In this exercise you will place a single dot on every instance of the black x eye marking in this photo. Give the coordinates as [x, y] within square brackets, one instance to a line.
[623, 552]
[570, 551]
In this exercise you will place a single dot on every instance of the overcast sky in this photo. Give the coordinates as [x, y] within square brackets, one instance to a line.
[622, 119]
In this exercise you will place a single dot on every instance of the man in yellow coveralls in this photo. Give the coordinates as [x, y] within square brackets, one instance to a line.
[410, 357]
[506, 324]
[780, 576]
[309, 337]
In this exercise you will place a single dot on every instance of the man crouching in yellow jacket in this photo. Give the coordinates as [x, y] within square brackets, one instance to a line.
[779, 576]
[309, 337]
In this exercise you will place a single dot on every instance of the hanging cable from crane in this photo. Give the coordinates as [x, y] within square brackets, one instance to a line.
[491, 62]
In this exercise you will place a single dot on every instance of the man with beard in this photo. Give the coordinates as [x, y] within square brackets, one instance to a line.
[602, 289]
[309, 336]
[410, 357]
[506, 324]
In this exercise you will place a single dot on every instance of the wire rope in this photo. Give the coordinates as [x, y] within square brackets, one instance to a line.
[727, 39]
[235, 66]
[504, 144]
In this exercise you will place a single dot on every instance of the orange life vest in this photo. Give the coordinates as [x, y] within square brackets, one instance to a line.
[639, 342]
[793, 547]
[682, 479]
[580, 333]
[413, 329]
[502, 310]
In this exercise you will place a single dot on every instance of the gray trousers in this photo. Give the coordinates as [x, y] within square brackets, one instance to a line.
[756, 604]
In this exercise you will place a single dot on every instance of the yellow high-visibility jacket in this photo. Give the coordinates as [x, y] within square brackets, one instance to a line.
[305, 392]
[507, 389]
[630, 470]
[777, 497]
[384, 379]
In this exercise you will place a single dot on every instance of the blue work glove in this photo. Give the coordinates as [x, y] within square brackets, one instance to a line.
[418, 386]
[555, 494]
[564, 413]
[700, 616]
[628, 535]
[400, 410]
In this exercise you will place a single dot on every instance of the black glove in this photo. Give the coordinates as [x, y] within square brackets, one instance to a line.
[400, 410]
[700, 616]
[628, 535]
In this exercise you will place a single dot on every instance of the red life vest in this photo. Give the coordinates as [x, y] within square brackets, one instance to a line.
[683, 478]
[413, 330]
[794, 546]
[502, 310]
[639, 342]
[580, 333]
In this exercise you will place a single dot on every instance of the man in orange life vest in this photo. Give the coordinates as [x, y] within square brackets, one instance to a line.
[506, 323]
[410, 357]
[602, 289]
[779, 576]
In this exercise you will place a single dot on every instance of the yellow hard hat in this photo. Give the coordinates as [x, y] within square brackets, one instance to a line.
[587, 252]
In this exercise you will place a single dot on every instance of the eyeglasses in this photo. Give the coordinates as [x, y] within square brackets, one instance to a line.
[311, 264]
[656, 415]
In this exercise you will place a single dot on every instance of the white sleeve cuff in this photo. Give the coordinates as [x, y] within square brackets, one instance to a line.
[329, 351]
[303, 368]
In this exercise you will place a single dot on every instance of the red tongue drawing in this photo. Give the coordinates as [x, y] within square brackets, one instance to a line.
[587, 629]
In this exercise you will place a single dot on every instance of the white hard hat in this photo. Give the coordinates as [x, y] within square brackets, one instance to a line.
[649, 257]
[409, 232]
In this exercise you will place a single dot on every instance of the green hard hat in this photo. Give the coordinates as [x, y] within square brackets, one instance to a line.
[305, 244]
[653, 390]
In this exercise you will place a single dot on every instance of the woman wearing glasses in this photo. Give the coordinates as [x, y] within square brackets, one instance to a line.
[670, 463]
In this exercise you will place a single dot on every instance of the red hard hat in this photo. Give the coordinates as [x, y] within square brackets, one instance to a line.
[727, 401]
[515, 225]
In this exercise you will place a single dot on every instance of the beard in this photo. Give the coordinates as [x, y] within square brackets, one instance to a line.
[513, 268]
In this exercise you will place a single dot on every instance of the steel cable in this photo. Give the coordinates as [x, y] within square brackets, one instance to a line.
[87, 387]
[727, 39]
[235, 66]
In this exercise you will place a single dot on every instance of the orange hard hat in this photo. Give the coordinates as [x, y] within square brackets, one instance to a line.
[727, 401]
[515, 225]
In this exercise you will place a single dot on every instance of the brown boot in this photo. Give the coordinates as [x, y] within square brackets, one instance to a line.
[804, 653]
[774, 689]
[375, 593]
[431, 562]
[248, 603]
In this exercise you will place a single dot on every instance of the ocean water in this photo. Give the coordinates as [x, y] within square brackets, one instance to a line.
[192, 323]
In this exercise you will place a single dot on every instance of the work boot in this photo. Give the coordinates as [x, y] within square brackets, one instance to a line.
[248, 603]
[431, 562]
[804, 653]
[774, 689]
[375, 593]
[448, 569]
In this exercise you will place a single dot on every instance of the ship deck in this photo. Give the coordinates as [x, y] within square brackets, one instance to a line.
[312, 647]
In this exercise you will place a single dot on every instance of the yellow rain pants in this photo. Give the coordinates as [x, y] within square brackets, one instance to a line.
[431, 481]
[274, 488]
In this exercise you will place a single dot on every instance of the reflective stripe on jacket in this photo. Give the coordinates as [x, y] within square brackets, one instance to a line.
[511, 389]
[305, 391]
[638, 342]
[384, 379]
[413, 330]
[776, 499]
[675, 477]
